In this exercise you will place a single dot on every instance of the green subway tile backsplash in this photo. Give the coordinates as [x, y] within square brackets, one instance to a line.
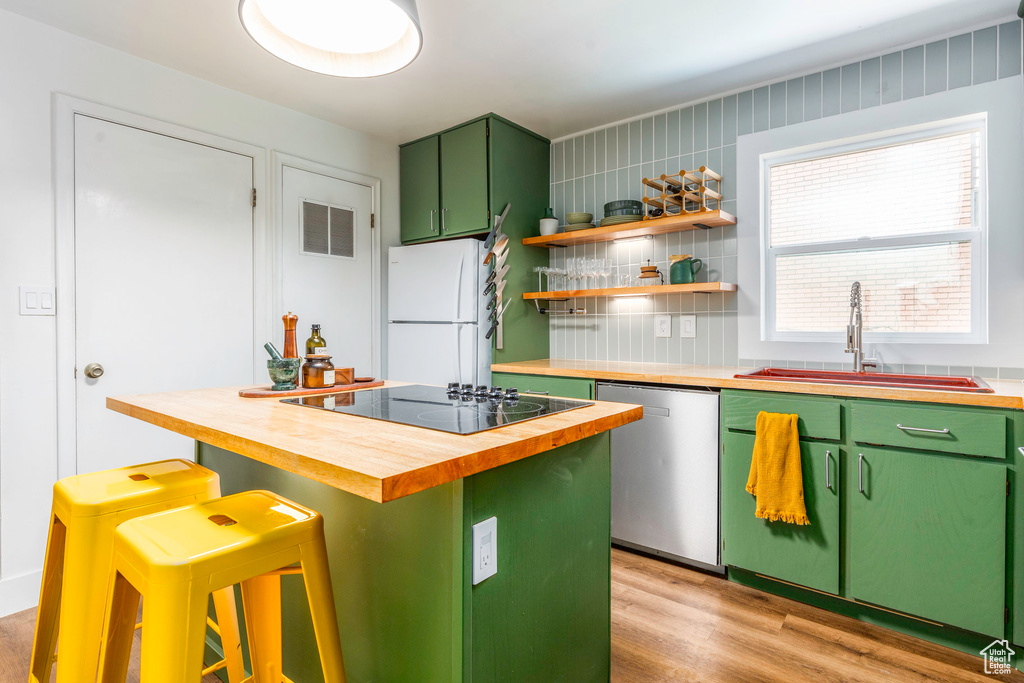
[870, 83]
[794, 101]
[935, 56]
[1009, 49]
[960, 67]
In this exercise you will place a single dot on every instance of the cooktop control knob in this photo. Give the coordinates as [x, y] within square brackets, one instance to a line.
[481, 390]
[467, 389]
[496, 393]
[511, 394]
[453, 387]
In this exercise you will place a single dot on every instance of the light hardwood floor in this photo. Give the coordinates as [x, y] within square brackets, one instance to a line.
[675, 624]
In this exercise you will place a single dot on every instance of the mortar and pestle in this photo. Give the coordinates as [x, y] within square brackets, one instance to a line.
[283, 371]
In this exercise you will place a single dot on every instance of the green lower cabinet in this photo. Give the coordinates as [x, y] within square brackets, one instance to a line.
[564, 387]
[920, 519]
[928, 536]
[805, 555]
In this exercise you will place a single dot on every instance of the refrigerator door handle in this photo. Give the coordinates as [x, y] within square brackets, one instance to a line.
[458, 286]
[457, 342]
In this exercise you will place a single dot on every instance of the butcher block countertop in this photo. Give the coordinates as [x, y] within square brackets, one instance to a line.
[378, 460]
[1008, 393]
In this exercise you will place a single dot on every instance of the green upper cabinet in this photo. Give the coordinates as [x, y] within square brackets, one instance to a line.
[420, 178]
[457, 182]
[928, 536]
[464, 180]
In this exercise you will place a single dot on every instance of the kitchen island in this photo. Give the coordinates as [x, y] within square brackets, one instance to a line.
[399, 503]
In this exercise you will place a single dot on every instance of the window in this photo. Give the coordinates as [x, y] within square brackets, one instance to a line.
[903, 213]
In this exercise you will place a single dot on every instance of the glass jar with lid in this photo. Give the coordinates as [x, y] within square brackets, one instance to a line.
[318, 371]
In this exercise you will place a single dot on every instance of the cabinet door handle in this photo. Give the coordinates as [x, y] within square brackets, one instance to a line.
[443, 212]
[1021, 449]
[860, 473]
[922, 429]
[432, 220]
[828, 470]
[538, 393]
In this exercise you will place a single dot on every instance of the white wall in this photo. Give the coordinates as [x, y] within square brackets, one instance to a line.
[36, 61]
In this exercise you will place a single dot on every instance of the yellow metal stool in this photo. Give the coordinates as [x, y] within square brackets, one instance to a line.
[175, 559]
[79, 552]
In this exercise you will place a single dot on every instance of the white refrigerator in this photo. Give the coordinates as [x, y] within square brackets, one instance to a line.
[436, 314]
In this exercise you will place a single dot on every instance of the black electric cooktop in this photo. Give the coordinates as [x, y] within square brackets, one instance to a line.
[457, 409]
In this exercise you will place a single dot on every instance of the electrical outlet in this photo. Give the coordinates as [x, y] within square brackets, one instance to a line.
[662, 326]
[485, 549]
[687, 326]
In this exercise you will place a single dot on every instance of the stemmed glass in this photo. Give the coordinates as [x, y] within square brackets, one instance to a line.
[606, 270]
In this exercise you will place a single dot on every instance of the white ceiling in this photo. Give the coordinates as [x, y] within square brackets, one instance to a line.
[556, 67]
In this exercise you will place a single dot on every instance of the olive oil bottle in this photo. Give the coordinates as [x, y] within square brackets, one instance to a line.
[316, 345]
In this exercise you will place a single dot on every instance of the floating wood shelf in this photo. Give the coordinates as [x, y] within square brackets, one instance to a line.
[705, 287]
[655, 226]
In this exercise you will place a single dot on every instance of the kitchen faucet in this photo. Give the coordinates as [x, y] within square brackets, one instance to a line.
[855, 332]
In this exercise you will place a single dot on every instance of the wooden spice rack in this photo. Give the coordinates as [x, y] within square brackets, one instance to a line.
[642, 228]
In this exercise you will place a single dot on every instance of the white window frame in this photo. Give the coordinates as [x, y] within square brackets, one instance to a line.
[977, 235]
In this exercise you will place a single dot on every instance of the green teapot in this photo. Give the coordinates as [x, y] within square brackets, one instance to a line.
[684, 269]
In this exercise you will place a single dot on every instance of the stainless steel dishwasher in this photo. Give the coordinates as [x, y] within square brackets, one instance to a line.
[665, 473]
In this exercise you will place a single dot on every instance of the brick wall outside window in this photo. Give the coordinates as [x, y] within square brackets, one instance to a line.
[911, 188]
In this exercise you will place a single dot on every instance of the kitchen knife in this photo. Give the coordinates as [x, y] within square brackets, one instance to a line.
[500, 244]
[496, 314]
[499, 259]
[497, 226]
[497, 292]
[497, 274]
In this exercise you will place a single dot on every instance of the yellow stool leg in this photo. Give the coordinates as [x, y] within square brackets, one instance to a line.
[227, 627]
[261, 600]
[119, 630]
[317, 576]
[88, 552]
[45, 643]
[173, 633]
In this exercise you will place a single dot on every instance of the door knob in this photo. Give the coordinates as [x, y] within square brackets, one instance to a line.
[93, 370]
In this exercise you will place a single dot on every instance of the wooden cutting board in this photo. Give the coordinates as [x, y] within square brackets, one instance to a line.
[267, 392]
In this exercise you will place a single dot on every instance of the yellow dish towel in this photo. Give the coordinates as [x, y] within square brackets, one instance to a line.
[776, 477]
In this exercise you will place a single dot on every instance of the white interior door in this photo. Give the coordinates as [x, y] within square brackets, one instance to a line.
[328, 263]
[163, 281]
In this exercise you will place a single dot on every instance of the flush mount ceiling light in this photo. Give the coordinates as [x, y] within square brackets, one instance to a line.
[351, 38]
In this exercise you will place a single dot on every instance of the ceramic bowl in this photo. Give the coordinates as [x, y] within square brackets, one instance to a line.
[620, 204]
[578, 217]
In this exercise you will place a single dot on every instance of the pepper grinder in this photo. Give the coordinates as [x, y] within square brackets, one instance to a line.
[290, 349]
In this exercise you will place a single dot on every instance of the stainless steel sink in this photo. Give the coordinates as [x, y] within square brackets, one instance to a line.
[871, 379]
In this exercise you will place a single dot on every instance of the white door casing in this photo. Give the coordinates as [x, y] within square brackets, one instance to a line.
[159, 280]
[340, 294]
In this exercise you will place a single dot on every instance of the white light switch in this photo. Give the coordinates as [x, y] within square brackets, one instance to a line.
[485, 549]
[37, 300]
[688, 326]
[662, 326]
